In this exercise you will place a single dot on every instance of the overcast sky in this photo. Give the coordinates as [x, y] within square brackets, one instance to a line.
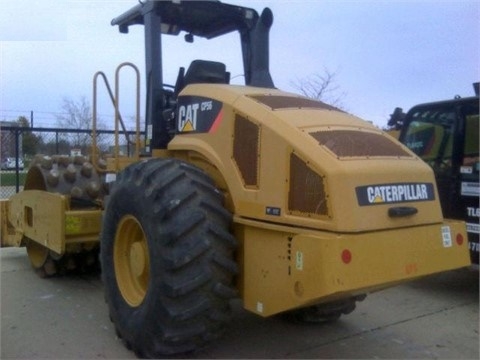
[384, 53]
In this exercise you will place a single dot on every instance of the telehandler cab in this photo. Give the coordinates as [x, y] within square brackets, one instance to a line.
[241, 192]
[445, 135]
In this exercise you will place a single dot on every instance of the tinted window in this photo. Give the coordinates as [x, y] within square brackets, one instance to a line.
[430, 135]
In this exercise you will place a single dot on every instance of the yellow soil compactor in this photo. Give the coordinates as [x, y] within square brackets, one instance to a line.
[247, 192]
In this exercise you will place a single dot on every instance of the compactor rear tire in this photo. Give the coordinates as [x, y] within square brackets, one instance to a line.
[321, 313]
[167, 258]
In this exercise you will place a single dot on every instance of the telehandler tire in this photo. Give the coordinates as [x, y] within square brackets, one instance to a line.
[167, 258]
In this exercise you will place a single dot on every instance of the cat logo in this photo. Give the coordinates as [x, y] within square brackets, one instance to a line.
[187, 117]
[197, 114]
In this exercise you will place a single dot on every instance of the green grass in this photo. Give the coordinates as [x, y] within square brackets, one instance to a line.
[9, 178]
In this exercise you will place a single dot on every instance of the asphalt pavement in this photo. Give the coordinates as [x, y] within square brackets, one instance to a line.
[66, 318]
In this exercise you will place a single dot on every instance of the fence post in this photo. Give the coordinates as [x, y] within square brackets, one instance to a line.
[17, 165]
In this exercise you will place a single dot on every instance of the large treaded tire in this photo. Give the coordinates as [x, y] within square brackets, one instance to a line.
[186, 286]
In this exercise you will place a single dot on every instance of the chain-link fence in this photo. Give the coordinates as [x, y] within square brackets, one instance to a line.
[19, 145]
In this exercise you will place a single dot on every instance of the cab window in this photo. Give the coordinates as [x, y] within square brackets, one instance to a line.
[470, 151]
[430, 135]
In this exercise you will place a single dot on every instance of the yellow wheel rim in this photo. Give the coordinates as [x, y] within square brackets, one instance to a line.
[37, 254]
[131, 260]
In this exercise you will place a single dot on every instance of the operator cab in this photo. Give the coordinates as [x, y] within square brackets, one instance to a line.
[206, 19]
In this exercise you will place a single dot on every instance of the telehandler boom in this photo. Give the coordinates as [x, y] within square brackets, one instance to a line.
[247, 192]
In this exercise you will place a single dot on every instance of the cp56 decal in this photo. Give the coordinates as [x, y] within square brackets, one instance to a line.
[198, 114]
[394, 193]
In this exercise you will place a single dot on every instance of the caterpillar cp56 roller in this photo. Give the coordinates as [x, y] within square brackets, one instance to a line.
[245, 192]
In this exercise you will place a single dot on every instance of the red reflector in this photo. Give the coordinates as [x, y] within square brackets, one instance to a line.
[346, 256]
[459, 239]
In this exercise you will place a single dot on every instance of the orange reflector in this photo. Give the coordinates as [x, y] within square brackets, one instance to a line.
[459, 239]
[346, 256]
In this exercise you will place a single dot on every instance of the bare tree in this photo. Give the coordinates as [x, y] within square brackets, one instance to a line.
[77, 115]
[323, 87]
